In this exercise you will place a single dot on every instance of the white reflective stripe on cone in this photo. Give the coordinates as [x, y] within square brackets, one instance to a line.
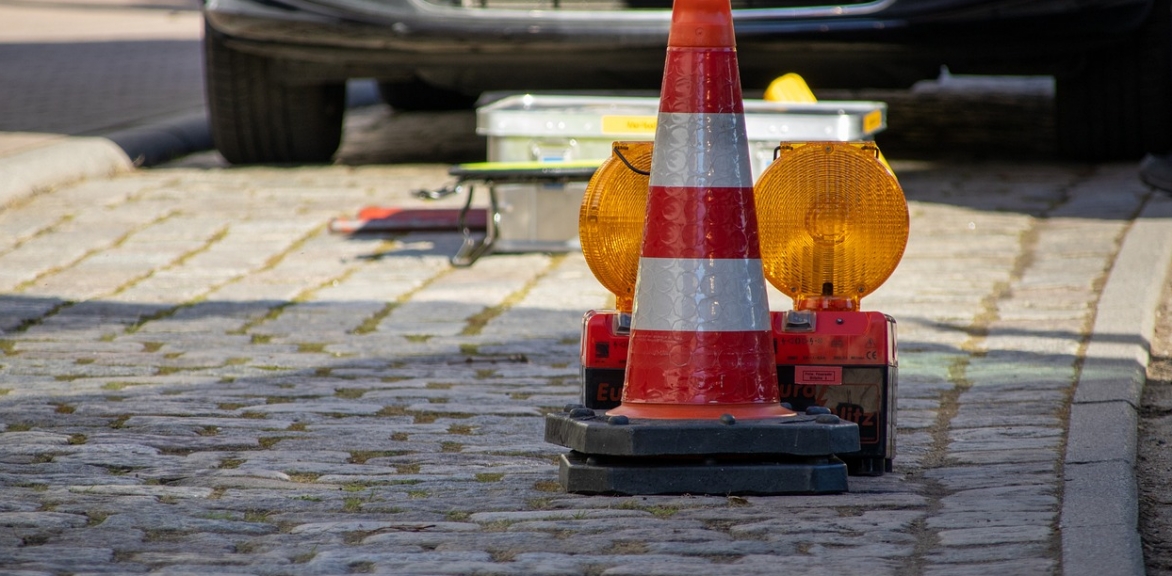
[688, 294]
[701, 150]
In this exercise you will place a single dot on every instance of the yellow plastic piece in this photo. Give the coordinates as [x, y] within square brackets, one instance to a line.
[629, 124]
[833, 223]
[790, 88]
[610, 222]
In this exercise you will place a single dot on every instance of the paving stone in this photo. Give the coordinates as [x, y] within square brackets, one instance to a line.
[1023, 567]
[1005, 438]
[994, 535]
[1003, 498]
[993, 475]
[975, 519]
[982, 457]
[42, 520]
[985, 553]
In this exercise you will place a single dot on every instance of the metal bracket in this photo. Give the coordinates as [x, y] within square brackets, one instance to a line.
[491, 174]
[439, 193]
[473, 248]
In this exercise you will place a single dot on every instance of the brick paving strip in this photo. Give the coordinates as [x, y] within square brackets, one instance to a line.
[197, 377]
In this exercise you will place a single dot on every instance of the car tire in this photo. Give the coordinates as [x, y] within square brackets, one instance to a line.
[1118, 106]
[256, 118]
[417, 95]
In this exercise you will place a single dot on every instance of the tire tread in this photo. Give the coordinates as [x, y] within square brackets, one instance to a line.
[258, 119]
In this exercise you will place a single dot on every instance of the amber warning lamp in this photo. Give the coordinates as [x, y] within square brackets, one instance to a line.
[832, 220]
[833, 225]
[610, 223]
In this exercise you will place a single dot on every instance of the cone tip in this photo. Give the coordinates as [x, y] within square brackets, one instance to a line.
[701, 24]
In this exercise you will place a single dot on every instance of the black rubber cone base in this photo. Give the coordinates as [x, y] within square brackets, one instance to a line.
[583, 474]
[592, 432]
[618, 455]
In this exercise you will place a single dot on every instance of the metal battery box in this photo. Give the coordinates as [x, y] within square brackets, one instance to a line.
[843, 362]
[846, 362]
[553, 128]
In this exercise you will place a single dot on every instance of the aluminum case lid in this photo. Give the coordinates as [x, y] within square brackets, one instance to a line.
[634, 118]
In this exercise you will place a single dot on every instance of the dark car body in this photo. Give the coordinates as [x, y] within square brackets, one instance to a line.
[1107, 55]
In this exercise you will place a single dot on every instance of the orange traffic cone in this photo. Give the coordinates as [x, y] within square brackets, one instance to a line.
[701, 343]
[700, 411]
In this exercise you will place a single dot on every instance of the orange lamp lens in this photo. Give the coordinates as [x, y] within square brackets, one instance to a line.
[610, 222]
[833, 223]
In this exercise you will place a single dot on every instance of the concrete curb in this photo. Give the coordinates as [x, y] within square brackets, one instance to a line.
[76, 158]
[61, 162]
[1100, 508]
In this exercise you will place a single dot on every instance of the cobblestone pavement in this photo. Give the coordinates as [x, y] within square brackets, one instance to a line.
[197, 377]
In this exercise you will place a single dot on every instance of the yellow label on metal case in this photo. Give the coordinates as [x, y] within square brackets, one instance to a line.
[628, 124]
[872, 121]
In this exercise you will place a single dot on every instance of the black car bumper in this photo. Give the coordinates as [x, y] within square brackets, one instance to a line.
[885, 42]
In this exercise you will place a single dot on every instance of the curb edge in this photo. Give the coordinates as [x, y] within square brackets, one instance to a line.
[1099, 515]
